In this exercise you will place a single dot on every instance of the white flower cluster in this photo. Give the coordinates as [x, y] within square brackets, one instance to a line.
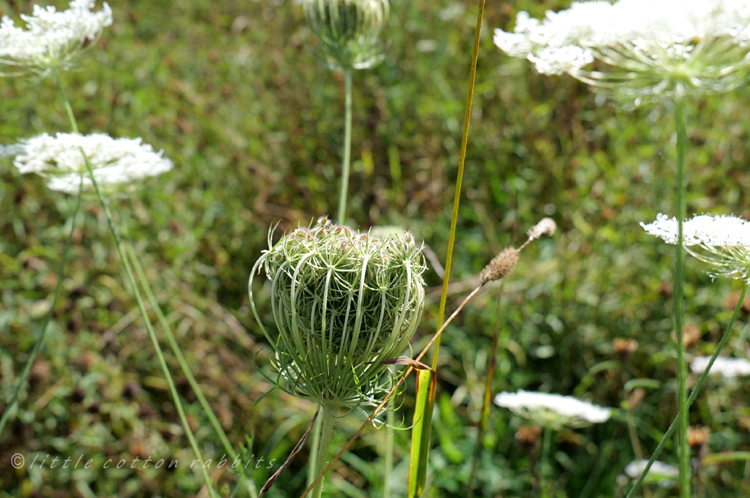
[115, 162]
[52, 39]
[660, 46]
[659, 473]
[552, 410]
[702, 230]
[726, 367]
[725, 241]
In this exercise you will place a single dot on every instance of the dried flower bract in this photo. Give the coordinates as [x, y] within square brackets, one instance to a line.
[500, 266]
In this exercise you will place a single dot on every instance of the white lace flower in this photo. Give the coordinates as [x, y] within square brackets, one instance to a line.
[116, 163]
[650, 48]
[552, 410]
[724, 240]
[660, 473]
[52, 39]
[723, 366]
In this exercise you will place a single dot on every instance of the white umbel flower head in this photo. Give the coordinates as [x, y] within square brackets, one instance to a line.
[52, 39]
[723, 366]
[660, 473]
[553, 410]
[116, 162]
[724, 240]
[650, 49]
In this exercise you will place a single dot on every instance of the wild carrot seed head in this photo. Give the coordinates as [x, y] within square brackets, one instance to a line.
[342, 302]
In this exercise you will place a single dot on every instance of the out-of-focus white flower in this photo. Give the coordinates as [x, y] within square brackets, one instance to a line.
[116, 163]
[553, 410]
[723, 366]
[651, 49]
[348, 30]
[724, 240]
[52, 39]
[660, 473]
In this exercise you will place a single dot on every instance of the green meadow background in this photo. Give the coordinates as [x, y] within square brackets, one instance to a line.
[236, 95]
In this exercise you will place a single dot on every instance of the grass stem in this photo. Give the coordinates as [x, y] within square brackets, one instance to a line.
[249, 485]
[139, 301]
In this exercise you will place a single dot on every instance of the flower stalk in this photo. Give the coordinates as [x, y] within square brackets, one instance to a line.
[679, 277]
[346, 164]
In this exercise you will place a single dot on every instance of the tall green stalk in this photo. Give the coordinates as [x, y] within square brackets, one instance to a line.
[425, 437]
[321, 454]
[346, 164]
[679, 274]
[686, 407]
[249, 485]
[40, 340]
[139, 300]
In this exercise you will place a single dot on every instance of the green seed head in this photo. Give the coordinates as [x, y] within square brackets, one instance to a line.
[342, 302]
[348, 30]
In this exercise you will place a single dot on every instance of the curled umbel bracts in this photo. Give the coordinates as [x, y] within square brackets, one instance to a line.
[342, 302]
[348, 30]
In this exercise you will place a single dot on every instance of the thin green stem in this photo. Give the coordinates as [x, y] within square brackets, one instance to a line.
[139, 301]
[346, 165]
[321, 456]
[40, 340]
[679, 275]
[693, 395]
[314, 443]
[186, 369]
[546, 467]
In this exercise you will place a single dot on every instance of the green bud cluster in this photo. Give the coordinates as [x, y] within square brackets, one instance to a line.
[348, 30]
[342, 301]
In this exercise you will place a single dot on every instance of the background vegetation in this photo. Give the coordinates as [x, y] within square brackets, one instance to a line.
[234, 93]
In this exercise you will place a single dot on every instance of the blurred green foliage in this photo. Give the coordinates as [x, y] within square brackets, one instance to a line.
[234, 93]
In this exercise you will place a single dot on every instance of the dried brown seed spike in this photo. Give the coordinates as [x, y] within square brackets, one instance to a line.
[500, 266]
[545, 228]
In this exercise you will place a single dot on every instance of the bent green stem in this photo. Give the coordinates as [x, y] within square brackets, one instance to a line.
[139, 301]
[40, 340]
[249, 484]
[693, 395]
[679, 274]
[321, 454]
[346, 164]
